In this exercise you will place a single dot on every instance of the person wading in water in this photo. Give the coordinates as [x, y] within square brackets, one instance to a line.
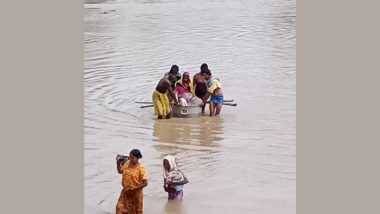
[174, 179]
[134, 179]
[214, 87]
[200, 85]
[174, 70]
[162, 96]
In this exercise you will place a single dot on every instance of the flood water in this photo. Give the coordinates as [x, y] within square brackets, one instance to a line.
[241, 162]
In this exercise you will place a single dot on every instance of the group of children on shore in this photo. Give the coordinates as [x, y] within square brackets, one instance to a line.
[135, 178]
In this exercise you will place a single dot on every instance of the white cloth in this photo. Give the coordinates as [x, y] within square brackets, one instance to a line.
[188, 99]
[195, 101]
[173, 175]
[172, 164]
[182, 101]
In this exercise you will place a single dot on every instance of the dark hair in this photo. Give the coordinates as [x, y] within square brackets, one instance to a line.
[136, 153]
[206, 71]
[204, 68]
[174, 69]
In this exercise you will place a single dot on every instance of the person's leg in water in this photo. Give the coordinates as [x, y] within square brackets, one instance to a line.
[203, 103]
[205, 98]
[212, 108]
[169, 114]
[158, 107]
[163, 116]
[201, 93]
[218, 109]
[217, 102]
[161, 104]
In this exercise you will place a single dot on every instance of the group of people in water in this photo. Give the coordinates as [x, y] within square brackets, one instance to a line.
[135, 178]
[172, 89]
[177, 89]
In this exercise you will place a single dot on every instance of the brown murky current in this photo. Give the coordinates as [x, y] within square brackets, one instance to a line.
[242, 162]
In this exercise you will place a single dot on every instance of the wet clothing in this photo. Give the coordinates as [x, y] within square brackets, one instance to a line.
[131, 199]
[189, 100]
[130, 202]
[172, 176]
[182, 102]
[213, 84]
[181, 89]
[175, 195]
[217, 99]
[195, 101]
[185, 93]
[200, 89]
[133, 176]
[187, 86]
[161, 103]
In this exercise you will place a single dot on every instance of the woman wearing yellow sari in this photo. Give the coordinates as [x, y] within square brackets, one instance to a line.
[161, 97]
[134, 180]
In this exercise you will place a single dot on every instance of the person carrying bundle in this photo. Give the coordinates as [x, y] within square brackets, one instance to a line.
[174, 179]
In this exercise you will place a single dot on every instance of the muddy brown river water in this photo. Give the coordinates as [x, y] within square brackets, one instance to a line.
[241, 162]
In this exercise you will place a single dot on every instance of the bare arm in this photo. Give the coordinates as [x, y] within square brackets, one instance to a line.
[205, 98]
[142, 185]
[171, 92]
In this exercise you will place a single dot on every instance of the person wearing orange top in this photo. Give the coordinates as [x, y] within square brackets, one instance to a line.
[134, 179]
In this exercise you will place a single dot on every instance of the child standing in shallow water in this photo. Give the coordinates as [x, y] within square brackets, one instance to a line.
[174, 179]
[215, 90]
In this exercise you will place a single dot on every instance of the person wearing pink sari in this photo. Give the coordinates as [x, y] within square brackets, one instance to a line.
[184, 91]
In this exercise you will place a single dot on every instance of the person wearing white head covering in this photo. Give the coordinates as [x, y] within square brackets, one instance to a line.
[174, 179]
